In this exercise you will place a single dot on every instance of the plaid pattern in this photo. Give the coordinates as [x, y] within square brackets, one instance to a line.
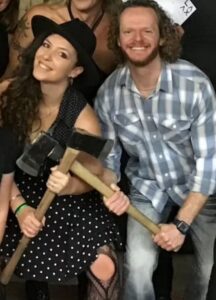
[170, 136]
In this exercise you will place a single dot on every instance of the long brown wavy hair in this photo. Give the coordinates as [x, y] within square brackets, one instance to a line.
[19, 104]
[9, 17]
[170, 50]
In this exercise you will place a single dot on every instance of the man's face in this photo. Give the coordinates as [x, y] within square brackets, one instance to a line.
[139, 36]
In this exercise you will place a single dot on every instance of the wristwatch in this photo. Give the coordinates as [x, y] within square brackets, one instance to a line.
[182, 226]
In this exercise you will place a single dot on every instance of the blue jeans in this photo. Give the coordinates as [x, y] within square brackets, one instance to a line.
[142, 254]
[203, 232]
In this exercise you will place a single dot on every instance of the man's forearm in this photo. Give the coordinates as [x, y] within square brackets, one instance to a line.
[191, 207]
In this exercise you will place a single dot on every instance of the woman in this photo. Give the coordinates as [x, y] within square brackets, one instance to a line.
[95, 13]
[79, 229]
[8, 22]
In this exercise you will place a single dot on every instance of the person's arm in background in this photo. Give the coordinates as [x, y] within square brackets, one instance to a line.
[5, 194]
[21, 39]
[23, 36]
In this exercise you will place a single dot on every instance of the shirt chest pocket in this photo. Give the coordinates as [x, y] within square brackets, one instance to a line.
[174, 131]
[130, 131]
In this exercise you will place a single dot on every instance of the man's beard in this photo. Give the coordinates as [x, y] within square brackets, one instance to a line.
[144, 62]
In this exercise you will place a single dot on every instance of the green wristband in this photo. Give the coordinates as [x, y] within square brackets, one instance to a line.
[20, 208]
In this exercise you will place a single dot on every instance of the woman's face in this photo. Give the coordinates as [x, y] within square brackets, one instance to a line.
[55, 60]
[4, 4]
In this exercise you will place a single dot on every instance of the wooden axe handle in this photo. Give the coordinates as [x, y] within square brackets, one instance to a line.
[68, 158]
[79, 170]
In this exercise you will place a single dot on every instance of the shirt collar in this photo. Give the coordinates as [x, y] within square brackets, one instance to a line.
[165, 82]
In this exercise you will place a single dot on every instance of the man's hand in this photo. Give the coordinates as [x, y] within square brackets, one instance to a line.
[169, 237]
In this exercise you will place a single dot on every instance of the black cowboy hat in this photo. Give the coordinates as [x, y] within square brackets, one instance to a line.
[80, 36]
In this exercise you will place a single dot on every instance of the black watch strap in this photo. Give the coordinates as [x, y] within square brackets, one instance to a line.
[182, 226]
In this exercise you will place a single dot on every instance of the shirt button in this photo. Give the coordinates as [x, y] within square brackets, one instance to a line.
[160, 156]
[174, 126]
[149, 118]
[154, 136]
[166, 174]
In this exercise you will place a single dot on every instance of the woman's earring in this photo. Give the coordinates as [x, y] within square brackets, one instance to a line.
[70, 80]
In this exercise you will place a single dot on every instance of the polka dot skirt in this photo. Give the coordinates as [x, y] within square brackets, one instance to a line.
[76, 226]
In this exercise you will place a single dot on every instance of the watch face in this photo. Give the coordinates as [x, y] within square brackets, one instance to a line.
[181, 226]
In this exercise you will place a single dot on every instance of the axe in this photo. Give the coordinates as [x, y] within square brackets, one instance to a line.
[85, 142]
[94, 145]
[69, 162]
[34, 156]
[31, 162]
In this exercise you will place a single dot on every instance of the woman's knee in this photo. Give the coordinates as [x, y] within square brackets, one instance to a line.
[103, 267]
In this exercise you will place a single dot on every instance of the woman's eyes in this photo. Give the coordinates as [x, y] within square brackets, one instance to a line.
[63, 55]
[45, 44]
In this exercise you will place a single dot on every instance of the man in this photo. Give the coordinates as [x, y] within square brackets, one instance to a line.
[162, 111]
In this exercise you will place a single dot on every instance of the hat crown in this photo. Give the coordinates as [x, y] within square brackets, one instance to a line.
[74, 30]
[80, 32]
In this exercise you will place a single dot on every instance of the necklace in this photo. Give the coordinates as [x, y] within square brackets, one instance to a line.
[96, 22]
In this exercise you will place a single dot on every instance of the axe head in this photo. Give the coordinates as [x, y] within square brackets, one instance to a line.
[94, 145]
[34, 156]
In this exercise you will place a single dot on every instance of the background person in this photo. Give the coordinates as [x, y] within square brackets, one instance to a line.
[8, 22]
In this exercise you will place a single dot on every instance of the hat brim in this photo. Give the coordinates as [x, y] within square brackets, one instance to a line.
[90, 75]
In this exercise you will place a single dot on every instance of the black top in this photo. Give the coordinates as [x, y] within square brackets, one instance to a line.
[8, 151]
[199, 40]
[4, 52]
[89, 91]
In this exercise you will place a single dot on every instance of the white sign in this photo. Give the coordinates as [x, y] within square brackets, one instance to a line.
[179, 10]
